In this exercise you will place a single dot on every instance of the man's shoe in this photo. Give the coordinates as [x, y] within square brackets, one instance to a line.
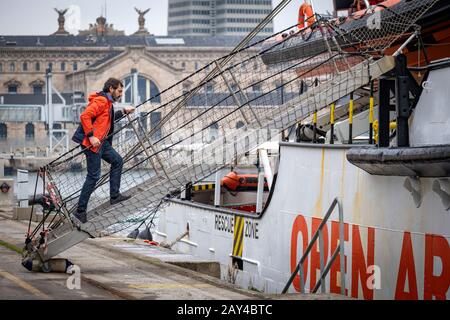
[118, 199]
[81, 216]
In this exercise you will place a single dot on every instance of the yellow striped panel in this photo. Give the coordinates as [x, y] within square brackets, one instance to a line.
[350, 112]
[371, 104]
[332, 114]
[203, 187]
[238, 237]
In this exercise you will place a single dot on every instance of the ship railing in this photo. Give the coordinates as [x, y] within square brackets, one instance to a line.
[323, 269]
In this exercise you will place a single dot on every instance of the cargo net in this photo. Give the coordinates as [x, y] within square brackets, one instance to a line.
[199, 125]
[377, 30]
[379, 27]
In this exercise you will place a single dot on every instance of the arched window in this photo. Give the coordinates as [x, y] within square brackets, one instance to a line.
[214, 131]
[146, 90]
[12, 85]
[29, 131]
[3, 131]
[37, 89]
[12, 88]
[239, 124]
[12, 67]
[37, 86]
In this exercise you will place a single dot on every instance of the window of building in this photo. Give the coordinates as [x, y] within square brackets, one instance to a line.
[12, 88]
[37, 89]
[25, 66]
[186, 88]
[1, 67]
[256, 87]
[12, 67]
[146, 89]
[155, 118]
[63, 66]
[303, 87]
[143, 121]
[183, 65]
[50, 66]
[75, 66]
[29, 131]
[37, 66]
[3, 131]
[209, 88]
[214, 131]
[239, 124]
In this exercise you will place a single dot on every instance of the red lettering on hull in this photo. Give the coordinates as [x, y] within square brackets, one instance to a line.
[406, 272]
[436, 286]
[436, 259]
[336, 267]
[359, 263]
[299, 226]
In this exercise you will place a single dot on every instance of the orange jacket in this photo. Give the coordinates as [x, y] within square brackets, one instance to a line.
[98, 118]
[305, 12]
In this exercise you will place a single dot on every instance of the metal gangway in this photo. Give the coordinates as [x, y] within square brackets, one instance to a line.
[196, 134]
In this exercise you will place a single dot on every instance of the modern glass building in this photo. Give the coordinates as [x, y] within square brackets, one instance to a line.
[217, 17]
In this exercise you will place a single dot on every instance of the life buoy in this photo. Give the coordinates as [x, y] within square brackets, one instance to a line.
[305, 16]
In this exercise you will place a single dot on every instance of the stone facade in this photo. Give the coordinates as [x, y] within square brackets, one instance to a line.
[82, 63]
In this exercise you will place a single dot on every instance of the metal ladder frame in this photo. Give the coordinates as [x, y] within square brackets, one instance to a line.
[323, 269]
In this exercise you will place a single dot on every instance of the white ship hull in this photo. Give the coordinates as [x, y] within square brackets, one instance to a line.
[407, 246]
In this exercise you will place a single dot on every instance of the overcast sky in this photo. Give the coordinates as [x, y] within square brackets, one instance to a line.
[31, 17]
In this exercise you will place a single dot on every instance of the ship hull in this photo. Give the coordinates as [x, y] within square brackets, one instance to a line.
[393, 249]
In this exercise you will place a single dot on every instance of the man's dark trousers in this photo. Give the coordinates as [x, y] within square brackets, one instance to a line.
[107, 153]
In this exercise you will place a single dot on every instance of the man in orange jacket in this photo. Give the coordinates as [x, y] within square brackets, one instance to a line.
[97, 122]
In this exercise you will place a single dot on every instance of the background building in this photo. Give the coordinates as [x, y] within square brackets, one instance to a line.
[217, 17]
[80, 64]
